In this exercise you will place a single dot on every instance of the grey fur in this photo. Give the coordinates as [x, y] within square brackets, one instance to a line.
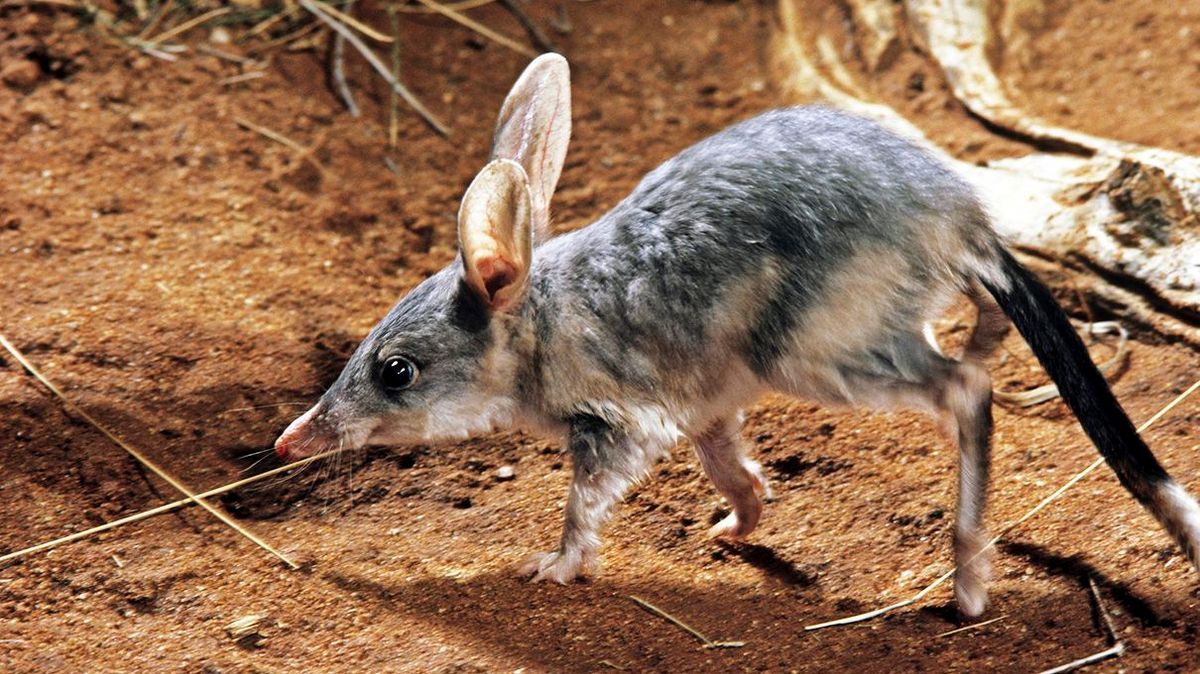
[801, 251]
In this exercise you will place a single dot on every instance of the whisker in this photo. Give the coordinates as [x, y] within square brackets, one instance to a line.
[260, 459]
[255, 453]
[350, 480]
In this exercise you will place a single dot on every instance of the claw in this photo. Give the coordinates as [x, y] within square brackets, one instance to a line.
[560, 567]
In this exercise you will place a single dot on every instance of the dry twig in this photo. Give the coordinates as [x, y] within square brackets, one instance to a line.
[267, 23]
[393, 100]
[708, 643]
[462, 6]
[972, 626]
[141, 458]
[349, 20]
[1116, 647]
[159, 14]
[371, 58]
[244, 77]
[224, 55]
[68, 4]
[187, 25]
[302, 152]
[294, 36]
[168, 507]
[339, 67]
[474, 25]
[535, 34]
[1050, 391]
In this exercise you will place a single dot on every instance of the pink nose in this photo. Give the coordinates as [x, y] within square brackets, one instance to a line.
[298, 436]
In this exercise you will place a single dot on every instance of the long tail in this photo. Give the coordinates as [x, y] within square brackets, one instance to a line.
[1062, 353]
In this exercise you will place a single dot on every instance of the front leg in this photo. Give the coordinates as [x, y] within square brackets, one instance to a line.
[606, 461]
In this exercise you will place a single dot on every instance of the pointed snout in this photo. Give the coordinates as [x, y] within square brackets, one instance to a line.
[299, 439]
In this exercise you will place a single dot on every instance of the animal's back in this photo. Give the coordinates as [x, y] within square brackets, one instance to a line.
[803, 233]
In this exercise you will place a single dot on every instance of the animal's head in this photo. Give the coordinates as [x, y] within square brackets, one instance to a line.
[438, 365]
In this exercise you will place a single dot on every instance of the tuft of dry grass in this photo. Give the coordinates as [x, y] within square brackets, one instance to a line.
[251, 31]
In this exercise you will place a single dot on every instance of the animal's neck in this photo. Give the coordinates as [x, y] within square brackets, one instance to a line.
[528, 333]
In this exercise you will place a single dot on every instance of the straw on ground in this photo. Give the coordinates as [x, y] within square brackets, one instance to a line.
[708, 643]
[1115, 649]
[303, 153]
[165, 508]
[139, 456]
[474, 25]
[372, 59]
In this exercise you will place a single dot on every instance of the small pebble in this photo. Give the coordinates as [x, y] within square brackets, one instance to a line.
[220, 35]
[21, 74]
[505, 473]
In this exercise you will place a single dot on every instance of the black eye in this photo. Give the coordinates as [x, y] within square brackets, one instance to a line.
[397, 373]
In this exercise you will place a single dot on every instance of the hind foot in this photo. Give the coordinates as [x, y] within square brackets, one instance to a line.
[732, 528]
[971, 576]
[558, 566]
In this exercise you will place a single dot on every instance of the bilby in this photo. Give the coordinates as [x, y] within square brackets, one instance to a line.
[802, 251]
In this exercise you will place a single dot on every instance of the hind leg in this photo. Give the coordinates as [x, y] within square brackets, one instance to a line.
[959, 397]
[907, 371]
[739, 479]
[966, 404]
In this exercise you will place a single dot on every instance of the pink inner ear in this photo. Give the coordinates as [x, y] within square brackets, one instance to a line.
[497, 275]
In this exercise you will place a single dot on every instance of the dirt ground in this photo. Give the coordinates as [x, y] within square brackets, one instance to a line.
[195, 285]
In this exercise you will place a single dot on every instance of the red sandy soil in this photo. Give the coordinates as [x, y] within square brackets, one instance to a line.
[194, 285]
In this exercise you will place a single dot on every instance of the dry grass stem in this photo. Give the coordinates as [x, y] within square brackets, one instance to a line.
[165, 508]
[462, 6]
[474, 25]
[531, 28]
[708, 643]
[1012, 526]
[1050, 391]
[1115, 649]
[68, 4]
[267, 23]
[973, 626]
[226, 56]
[188, 25]
[141, 458]
[1104, 616]
[159, 14]
[294, 36]
[244, 77]
[354, 23]
[158, 54]
[371, 58]
[393, 100]
[302, 152]
[339, 67]
[1089, 660]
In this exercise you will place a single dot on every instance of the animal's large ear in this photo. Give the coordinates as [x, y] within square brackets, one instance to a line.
[495, 234]
[534, 128]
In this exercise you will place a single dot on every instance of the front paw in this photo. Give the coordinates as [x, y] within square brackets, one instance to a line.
[560, 567]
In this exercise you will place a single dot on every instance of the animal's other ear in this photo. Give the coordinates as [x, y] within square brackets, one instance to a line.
[534, 128]
[495, 234]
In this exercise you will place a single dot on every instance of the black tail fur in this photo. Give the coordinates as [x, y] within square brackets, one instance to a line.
[1058, 347]
[1046, 328]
